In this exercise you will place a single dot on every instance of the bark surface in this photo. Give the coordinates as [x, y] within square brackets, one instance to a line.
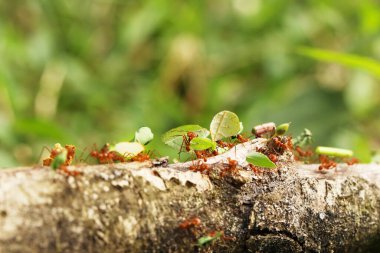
[138, 207]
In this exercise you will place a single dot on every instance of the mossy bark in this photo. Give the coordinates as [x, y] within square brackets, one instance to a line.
[137, 207]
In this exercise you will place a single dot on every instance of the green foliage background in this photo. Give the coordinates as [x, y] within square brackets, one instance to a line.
[86, 72]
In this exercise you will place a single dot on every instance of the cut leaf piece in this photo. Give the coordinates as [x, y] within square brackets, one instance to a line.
[224, 124]
[201, 143]
[208, 238]
[241, 127]
[174, 137]
[260, 160]
[282, 129]
[59, 159]
[338, 152]
[144, 135]
[128, 149]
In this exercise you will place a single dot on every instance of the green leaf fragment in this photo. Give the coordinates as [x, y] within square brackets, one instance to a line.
[282, 129]
[330, 151]
[260, 160]
[205, 239]
[208, 238]
[201, 143]
[144, 135]
[241, 127]
[174, 137]
[224, 124]
[59, 159]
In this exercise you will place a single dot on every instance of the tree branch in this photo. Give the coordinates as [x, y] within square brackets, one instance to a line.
[136, 207]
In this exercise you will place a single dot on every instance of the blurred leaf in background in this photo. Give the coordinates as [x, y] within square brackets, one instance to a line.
[93, 71]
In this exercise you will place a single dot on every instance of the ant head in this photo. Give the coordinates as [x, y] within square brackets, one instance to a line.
[191, 135]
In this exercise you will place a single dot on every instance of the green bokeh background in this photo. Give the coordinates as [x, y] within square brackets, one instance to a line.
[86, 72]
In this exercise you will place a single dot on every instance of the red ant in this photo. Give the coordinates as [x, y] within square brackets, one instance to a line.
[255, 169]
[224, 144]
[193, 222]
[273, 158]
[289, 143]
[200, 167]
[223, 236]
[231, 167]
[280, 144]
[106, 156]
[201, 154]
[69, 158]
[352, 161]
[141, 157]
[64, 169]
[70, 154]
[187, 139]
[266, 129]
[326, 163]
[241, 139]
[56, 151]
[303, 153]
[204, 154]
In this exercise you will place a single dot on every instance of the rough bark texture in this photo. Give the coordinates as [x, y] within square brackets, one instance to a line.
[137, 207]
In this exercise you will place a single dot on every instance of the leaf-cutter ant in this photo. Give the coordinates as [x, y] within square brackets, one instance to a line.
[204, 154]
[273, 158]
[192, 222]
[224, 144]
[200, 167]
[241, 138]
[255, 169]
[304, 155]
[141, 157]
[279, 144]
[326, 163]
[187, 139]
[57, 149]
[352, 161]
[65, 170]
[60, 158]
[104, 155]
[231, 167]
[70, 154]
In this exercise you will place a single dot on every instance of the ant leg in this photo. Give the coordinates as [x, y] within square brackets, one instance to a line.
[43, 149]
[80, 157]
[181, 148]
